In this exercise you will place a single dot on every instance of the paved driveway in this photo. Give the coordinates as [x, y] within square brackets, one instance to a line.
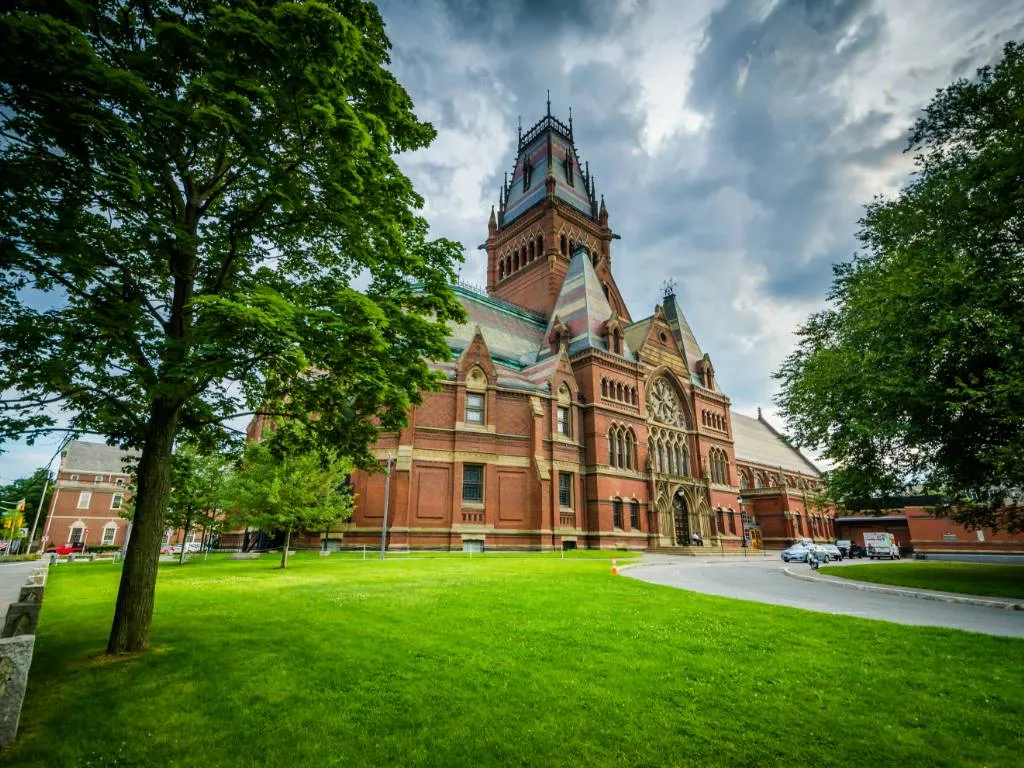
[763, 581]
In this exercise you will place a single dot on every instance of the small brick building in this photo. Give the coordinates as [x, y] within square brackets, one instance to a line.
[92, 486]
[565, 422]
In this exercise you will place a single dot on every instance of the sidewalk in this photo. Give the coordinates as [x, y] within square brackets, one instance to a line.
[12, 578]
[1005, 603]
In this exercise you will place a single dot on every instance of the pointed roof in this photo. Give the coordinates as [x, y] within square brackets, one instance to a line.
[583, 308]
[684, 335]
[547, 151]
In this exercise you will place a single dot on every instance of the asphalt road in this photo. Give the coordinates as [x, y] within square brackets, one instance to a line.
[763, 581]
[12, 577]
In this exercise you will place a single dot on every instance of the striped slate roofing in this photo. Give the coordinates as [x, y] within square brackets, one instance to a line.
[512, 335]
[549, 139]
[755, 441]
[583, 308]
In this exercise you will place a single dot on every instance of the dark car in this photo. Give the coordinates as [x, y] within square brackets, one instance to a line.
[844, 546]
[856, 550]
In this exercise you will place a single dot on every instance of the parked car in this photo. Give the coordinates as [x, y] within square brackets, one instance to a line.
[844, 546]
[166, 549]
[834, 552]
[796, 553]
[192, 546]
[66, 549]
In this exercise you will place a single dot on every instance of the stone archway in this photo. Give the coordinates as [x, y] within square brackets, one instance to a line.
[681, 519]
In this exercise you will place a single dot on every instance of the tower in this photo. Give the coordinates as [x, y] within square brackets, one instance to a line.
[546, 211]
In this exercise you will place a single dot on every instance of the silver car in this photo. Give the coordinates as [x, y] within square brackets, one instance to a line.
[834, 553]
[796, 553]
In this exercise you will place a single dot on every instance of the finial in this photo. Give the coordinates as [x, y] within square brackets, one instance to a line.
[759, 413]
[520, 119]
[668, 288]
[570, 121]
[549, 102]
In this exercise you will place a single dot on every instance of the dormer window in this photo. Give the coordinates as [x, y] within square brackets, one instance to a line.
[527, 173]
[474, 408]
[569, 168]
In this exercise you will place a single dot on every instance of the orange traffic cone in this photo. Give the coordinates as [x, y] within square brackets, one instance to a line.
[615, 569]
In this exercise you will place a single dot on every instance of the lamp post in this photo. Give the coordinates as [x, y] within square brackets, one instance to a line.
[387, 495]
[743, 524]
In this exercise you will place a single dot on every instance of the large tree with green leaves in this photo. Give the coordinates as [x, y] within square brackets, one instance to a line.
[915, 375]
[189, 190]
[280, 487]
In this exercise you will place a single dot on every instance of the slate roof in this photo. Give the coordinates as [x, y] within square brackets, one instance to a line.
[548, 145]
[512, 334]
[81, 456]
[755, 441]
[583, 307]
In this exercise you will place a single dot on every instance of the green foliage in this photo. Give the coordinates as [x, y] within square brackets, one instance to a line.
[915, 376]
[189, 191]
[193, 189]
[281, 489]
[29, 488]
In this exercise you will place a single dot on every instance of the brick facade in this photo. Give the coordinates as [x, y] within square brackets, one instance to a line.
[564, 423]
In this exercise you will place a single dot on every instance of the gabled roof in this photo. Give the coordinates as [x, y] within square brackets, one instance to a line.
[512, 334]
[583, 308]
[547, 148]
[755, 440]
[684, 335]
[80, 456]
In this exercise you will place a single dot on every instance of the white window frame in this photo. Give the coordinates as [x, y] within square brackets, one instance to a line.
[482, 410]
[74, 477]
[116, 500]
[119, 482]
[112, 528]
[564, 421]
[71, 534]
[99, 479]
[167, 537]
[84, 499]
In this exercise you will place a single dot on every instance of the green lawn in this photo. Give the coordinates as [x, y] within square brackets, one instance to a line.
[498, 661]
[965, 578]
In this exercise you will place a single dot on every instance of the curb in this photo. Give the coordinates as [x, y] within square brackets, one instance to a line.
[943, 597]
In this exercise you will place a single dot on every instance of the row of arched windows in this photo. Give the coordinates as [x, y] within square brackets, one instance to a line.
[616, 390]
[669, 454]
[622, 447]
[713, 420]
[634, 514]
[568, 247]
[718, 464]
[519, 258]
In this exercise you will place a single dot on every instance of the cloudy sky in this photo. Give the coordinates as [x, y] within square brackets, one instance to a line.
[735, 142]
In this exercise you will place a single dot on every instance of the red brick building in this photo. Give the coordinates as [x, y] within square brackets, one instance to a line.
[916, 529]
[89, 493]
[565, 422]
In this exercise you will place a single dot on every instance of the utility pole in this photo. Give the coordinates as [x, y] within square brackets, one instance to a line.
[387, 499]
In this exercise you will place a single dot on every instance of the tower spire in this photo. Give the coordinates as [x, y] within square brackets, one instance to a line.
[549, 102]
[570, 122]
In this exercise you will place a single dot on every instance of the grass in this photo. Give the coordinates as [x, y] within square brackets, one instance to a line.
[966, 578]
[498, 661]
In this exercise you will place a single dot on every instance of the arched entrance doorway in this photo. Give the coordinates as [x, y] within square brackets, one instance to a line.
[682, 519]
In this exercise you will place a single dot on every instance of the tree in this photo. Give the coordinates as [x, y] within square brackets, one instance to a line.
[29, 488]
[199, 482]
[914, 377]
[189, 190]
[279, 489]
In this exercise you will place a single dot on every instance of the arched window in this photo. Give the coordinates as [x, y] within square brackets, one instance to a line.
[572, 247]
[515, 261]
[540, 246]
[532, 252]
[604, 387]
[679, 461]
[522, 257]
[634, 515]
[618, 391]
[501, 271]
[630, 450]
[611, 447]
[744, 483]
[622, 454]
[617, 513]
[661, 457]
[616, 341]
[508, 265]
[563, 245]
[671, 460]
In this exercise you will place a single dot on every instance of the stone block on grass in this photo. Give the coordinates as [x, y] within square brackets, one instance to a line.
[21, 619]
[15, 661]
[31, 593]
[245, 555]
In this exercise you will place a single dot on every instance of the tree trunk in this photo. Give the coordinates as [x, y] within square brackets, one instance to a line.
[287, 543]
[184, 534]
[133, 613]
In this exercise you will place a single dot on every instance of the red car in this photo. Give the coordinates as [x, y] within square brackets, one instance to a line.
[66, 549]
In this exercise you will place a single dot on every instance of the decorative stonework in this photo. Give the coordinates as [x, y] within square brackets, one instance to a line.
[664, 405]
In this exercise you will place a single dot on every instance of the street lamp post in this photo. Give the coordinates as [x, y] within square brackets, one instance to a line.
[387, 495]
[743, 524]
